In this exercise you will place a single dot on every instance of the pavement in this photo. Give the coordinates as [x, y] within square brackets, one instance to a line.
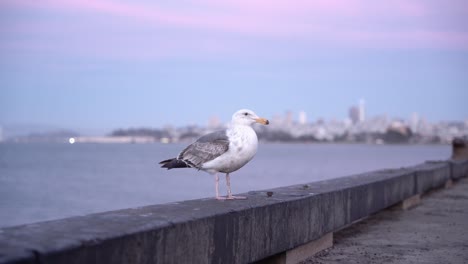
[435, 231]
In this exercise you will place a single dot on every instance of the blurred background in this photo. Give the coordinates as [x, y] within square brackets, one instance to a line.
[348, 85]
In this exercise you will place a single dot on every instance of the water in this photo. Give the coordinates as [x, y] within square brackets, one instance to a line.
[49, 181]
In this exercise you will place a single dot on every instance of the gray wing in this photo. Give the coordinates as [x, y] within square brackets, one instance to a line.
[205, 149]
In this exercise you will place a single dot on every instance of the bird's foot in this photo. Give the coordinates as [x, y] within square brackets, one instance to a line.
[232, 197]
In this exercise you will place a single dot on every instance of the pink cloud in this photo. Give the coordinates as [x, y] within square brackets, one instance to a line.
[337, 22]
[242, 16]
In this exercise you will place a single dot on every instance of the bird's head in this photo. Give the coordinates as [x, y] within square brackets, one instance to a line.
[248, 117]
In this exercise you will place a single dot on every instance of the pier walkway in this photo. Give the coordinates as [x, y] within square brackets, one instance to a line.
[435, 231]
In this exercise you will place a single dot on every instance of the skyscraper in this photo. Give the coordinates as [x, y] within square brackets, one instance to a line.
[302, 117]
[414, 122]
[362, 110]
[354, 114]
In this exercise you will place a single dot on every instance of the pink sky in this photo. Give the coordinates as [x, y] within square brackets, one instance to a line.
[210, 26]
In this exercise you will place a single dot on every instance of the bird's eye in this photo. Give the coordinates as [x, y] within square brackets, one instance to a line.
[246, 114]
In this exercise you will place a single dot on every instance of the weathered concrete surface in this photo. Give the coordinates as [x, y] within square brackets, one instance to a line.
[433, 232]
[459, 169]
[431, 174]
[460, 148]
[301, 253]
[410, 202]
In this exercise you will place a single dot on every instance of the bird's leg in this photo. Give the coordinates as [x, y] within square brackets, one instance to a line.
[217, 188]
[230, 196]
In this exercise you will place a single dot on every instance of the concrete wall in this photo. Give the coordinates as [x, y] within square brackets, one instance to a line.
[211, 231]
[460, 148]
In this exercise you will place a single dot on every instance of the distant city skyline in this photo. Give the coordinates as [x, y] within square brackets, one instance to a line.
[356, 114]
[287, 127]
[93, 66]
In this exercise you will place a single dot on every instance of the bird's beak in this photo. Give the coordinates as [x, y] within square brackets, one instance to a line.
[262, 121]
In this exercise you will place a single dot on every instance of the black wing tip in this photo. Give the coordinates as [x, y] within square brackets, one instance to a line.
[166, 163]
[173, 163]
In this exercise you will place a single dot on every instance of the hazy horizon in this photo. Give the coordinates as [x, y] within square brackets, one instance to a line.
[18, 129]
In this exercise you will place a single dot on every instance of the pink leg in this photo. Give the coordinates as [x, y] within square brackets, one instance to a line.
[230, 196]
[217, 188]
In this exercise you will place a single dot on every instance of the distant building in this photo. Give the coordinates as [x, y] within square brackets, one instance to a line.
[276, 120]
[214, 122]
[302, 118]
[362, 110]
[414, 122]
[354, 114]
[289, 118]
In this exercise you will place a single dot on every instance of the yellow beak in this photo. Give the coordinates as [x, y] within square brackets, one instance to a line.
[262, 121]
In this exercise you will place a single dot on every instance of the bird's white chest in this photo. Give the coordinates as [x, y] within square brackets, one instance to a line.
[243, 143]
[242, 148]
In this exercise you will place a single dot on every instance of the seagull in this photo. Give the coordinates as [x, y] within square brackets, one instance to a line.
[223, 151]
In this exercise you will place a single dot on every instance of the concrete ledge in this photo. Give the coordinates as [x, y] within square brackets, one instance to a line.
[211, 231]
[459, 169]
[431, 175]
[411, 202]
[306, 251]
[448, 184]
[300, 253]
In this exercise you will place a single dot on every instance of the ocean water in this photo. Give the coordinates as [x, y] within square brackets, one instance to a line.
[50, 181]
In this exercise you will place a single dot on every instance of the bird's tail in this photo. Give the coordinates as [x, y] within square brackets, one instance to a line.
[173, 164]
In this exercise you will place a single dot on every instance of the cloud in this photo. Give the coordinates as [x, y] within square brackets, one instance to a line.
[235, 26]
[257, 16]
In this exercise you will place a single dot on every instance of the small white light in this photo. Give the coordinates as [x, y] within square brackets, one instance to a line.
[71, 140]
